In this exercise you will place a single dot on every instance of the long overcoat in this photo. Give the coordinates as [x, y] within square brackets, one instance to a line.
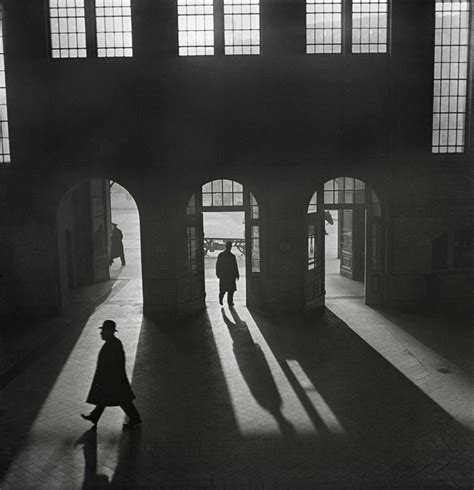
[110, 386]
[116, 243]
[227, 271]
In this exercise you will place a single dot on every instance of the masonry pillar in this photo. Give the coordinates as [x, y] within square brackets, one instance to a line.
[285, 250]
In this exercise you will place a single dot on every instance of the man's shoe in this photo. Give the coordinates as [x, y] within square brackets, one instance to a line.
[89, 418]
[131, 424]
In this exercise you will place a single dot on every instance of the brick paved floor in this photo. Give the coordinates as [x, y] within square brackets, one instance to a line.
[355, 399]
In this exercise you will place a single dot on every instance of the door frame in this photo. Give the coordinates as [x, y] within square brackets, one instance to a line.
[370, 199]
[254, 280]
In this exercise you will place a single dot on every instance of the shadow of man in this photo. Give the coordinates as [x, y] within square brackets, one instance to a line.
[88, 440]
[256, 372]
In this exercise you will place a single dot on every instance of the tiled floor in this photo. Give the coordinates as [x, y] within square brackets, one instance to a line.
[355, 399]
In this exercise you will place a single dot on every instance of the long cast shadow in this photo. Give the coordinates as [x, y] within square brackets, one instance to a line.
[371, 398]
[256, 372]
[36, 384]
[92, 479]
[183, 398]
[190, 435]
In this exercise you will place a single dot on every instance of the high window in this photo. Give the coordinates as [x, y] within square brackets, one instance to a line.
[323, 26]
[241, 27]
[222, 192]
[4, 137]
[114, 28]
[450, 76]
[68, 28]
[195, 27]
[369, 26]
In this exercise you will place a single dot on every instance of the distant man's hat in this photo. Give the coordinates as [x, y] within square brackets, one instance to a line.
[109, 325]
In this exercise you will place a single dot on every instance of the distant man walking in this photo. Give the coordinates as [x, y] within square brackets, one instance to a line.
[110, 386]
[116, 244]
[227, 272]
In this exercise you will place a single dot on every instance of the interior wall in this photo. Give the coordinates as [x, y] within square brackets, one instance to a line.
[82, 216]
[281, 123]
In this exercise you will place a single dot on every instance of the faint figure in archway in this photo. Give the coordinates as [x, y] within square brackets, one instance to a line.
[110, 386]
[328, 218]
[227, 272]
[116, 248]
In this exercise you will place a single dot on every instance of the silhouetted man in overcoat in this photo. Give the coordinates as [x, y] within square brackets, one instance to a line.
[227, 272]
[116, 245]
[110, 386]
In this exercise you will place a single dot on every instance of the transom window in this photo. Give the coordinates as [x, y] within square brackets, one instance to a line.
[323, 26]
[4, 134]
[114, 28]
[195, 27]
[68, 28]
[344, 190]
[369, 26]
[242, 27]
[450, 76]
[222, 192]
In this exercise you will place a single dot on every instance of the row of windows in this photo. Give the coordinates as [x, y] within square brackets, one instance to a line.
[113, 19]
[113, 23]
[114, 38]
[324, 20]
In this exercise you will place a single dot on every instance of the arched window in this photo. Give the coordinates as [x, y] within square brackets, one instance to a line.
[222, 192]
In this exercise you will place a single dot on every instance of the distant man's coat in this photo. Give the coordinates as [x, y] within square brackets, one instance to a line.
[227, 271]
[116, 243]
[110, 386]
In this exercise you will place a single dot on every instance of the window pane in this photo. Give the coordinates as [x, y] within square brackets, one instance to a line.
[195, 28]
[223, 193]
[450, 76]
[369, 26]
[313, 203]
[242, 27]
[4, 136]
[67, 26]
[114, 29]
[323, 26]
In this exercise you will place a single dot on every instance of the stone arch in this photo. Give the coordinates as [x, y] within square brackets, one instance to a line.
[83, 229]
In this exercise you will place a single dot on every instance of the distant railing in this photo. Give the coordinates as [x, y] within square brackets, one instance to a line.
[215, 244]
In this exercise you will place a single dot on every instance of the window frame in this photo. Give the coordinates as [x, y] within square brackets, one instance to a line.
[469, 123]
[346, 34]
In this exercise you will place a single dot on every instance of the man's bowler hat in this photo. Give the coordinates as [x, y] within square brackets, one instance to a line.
[109, 325]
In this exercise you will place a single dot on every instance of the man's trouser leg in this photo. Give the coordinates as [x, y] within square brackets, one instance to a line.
[230, 298]
[122, 258]
[97, 412]
[131, 411]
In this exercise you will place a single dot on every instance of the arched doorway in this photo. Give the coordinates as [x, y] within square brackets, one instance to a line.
[219, 196]
[354, 215]
[85, 218]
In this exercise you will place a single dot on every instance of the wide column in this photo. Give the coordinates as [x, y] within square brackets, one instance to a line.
[285, 252]
[159, 223]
